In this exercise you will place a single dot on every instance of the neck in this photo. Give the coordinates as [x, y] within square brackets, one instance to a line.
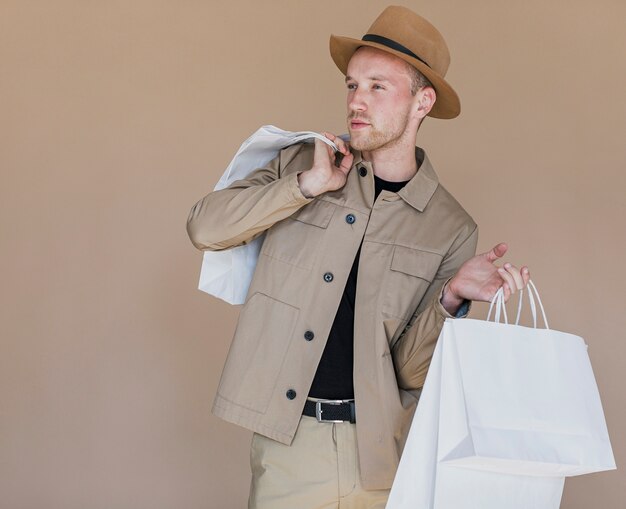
[395, 163]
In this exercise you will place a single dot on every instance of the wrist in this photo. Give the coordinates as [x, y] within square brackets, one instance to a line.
[450, 301]
[306, 184]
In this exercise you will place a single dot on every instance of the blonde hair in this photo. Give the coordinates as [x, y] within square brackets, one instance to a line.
[418, 80]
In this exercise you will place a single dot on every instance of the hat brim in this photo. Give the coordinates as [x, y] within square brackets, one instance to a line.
[447, 104]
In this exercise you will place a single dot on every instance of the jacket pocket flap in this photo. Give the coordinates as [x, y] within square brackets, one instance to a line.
[317, 213]
[422, 264]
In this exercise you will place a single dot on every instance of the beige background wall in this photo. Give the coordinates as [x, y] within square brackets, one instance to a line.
[116, 116]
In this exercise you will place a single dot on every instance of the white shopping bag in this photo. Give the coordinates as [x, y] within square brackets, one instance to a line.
[227, 274]
[505, 414]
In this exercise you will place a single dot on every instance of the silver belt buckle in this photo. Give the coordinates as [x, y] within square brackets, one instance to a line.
[318, 408]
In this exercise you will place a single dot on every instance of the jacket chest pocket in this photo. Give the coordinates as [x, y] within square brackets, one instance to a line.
[411, 273]
[296, 240]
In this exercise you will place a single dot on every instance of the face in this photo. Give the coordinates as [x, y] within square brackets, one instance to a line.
[381, 108]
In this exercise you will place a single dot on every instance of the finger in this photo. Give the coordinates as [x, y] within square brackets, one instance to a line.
[346, 163]
[525, 275]
[507, 279]
[497, 252]
[516, 275]
[322, 152]
[339, 143]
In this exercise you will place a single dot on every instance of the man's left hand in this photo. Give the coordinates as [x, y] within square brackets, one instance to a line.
[479, 278]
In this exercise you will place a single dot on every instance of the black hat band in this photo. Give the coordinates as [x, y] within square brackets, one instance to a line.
[392, 45]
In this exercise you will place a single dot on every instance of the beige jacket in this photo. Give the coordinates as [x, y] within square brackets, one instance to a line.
[413, 241]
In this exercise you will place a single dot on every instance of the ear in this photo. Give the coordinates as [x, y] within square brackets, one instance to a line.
[425, 100]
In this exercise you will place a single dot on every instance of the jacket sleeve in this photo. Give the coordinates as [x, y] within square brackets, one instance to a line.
[414, 348]
[239, 213]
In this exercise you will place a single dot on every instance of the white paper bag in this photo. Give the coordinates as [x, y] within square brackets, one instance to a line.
[227, 274]
[505, 414]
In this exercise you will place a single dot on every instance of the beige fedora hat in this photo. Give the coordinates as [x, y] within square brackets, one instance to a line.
[403, 33]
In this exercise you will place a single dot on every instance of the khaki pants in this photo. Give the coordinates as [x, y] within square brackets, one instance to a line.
[320, 470]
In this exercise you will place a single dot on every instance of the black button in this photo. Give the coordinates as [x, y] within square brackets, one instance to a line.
[308, 335]
[328, 277]
[291, 394]
[350, 219]
[362, 171]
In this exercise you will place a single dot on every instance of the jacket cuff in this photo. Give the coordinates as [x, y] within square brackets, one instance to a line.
[463, 310]
[294, 189]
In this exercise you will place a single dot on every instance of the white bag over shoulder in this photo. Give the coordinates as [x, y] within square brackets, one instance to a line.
[505, 414]
[227, 274]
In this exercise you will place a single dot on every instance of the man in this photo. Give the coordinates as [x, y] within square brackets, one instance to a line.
[361, 264]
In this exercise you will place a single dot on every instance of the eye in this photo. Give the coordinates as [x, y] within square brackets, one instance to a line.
[351, 86]
[376, 86]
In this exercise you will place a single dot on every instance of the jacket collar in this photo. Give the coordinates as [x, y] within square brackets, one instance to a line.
[420, 189]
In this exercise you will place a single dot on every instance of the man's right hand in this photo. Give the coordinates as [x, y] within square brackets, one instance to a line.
[324, 175]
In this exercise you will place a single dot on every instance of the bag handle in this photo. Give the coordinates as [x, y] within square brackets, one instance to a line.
[500, 306]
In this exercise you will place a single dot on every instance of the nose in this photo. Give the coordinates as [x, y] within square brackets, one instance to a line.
[356, 100]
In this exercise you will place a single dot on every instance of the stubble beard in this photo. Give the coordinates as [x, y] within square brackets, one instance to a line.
[377, 138]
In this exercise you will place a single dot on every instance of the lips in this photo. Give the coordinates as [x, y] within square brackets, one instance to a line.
[358, 124]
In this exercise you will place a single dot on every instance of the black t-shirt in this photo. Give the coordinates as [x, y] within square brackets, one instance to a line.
[333, 378]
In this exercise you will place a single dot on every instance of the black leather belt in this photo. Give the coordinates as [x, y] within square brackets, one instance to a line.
[331, 410]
